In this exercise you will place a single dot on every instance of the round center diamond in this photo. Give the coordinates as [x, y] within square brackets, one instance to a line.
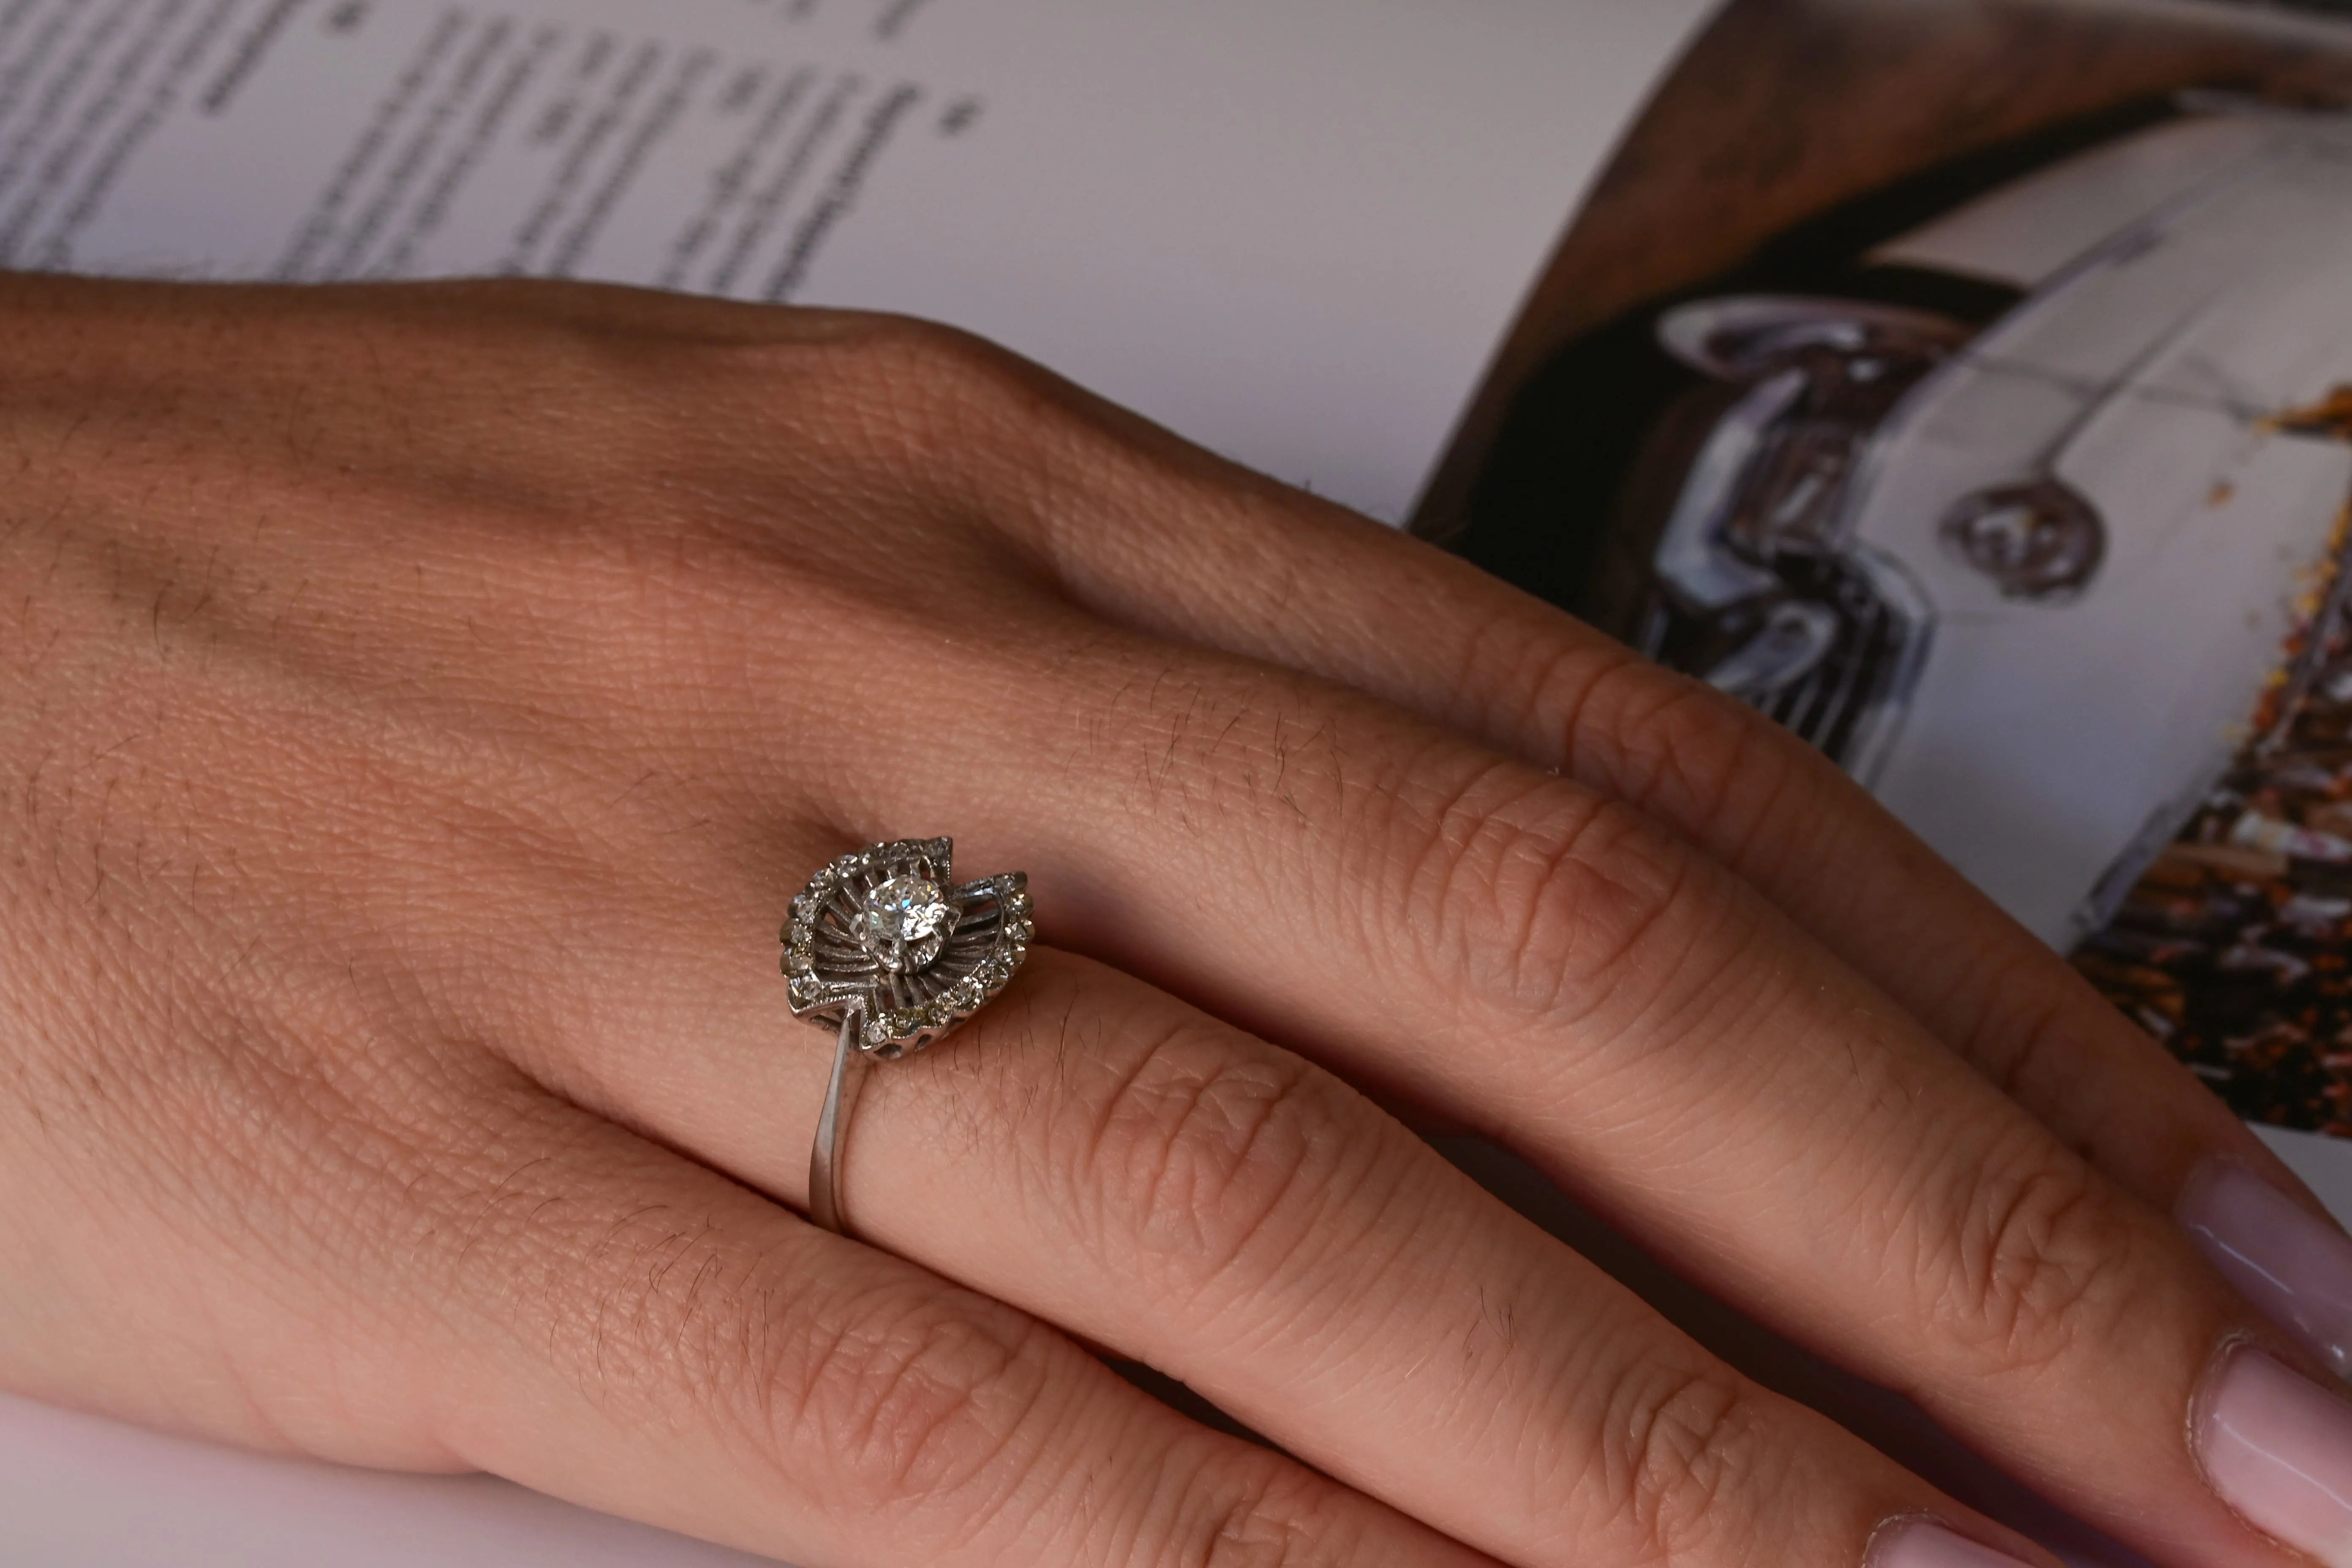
[906, 918]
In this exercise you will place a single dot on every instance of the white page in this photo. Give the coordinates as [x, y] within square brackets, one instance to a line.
[1292, 229]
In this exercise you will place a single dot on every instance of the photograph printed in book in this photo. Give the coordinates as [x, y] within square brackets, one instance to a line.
[2031, 513]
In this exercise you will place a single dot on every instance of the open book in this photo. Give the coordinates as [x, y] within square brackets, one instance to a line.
[1975, 407]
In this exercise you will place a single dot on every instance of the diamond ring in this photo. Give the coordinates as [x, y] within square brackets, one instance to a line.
[884, 948]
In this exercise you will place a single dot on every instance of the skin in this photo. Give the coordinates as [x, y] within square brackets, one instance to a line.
[417, 706]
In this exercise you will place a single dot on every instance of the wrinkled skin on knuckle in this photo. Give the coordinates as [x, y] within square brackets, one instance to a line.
[863, 1390]
[1244, 1508]
[1251, 1514]
[919, 1405]
[1210, 1163]
[1778, 811]
[1683, 1463]
[2031, 1263]
[1663, 742]
[1557, 906]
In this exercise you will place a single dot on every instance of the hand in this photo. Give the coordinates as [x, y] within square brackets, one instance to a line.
[417, 707]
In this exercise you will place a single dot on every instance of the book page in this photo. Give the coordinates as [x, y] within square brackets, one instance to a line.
[1294, 230]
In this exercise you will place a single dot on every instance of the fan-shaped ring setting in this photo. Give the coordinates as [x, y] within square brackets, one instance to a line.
[884, 949]
[886, 932]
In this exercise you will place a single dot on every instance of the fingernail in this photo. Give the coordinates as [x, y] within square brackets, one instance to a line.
[2288, 1261]
[1924, 1544]
[2278, 1447]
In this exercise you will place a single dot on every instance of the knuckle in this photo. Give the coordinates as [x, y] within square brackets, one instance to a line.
[961, 425]
[1556, 901]
[927, 357]
[1212, 1156]
[1257, 1518]
[1667, 743]
[923, 1394]
[922, 386]
[1681, 1450]
[872, 1387]
[2030, 1271]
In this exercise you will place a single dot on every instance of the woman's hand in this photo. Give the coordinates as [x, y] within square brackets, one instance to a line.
[417, 707]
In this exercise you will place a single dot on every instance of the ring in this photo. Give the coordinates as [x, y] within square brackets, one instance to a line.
[883, 947]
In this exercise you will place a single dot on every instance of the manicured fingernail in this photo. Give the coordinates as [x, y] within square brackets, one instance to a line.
[1924, 1544]
[2288, 1261]
[2278, 1447]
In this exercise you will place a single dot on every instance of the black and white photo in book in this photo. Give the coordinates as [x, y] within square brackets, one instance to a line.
[2020, 488]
